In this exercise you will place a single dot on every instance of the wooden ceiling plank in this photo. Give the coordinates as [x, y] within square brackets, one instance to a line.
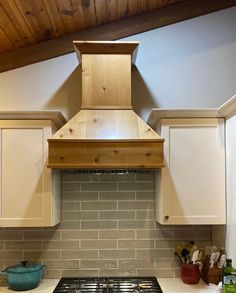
[78, 15]
[142, 5]
[10, 30]
[54, 16]
[112, 10]
[67, 11]
[5, 43]
[112, 31]
[122, 9]
[16, 19]
[100, 11]
[35, 14]
[89, 13]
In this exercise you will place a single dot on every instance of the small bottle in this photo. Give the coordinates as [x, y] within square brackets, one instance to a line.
[229, 279]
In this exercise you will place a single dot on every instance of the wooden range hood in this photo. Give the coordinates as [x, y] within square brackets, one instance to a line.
[106, 133]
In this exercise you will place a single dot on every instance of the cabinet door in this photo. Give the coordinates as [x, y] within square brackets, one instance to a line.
[25, 191]
[191, 188]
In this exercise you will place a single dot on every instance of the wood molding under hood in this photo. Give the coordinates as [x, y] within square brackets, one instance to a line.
[106, 133]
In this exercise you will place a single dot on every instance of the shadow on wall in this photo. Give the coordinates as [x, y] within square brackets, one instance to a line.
[142, 99]
[68, 97]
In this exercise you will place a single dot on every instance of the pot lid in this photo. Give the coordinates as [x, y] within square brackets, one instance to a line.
[23, 267]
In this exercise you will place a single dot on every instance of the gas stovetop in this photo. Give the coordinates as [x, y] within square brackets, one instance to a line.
[108, 285]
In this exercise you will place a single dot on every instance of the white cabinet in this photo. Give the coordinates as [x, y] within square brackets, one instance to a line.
[30, 192]
[191, 187]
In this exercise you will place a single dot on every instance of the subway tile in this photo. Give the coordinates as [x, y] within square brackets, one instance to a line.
[42, 235]
[76, 177]
[136, 205]
[43, 254]
[135, 244]
[70, 186]
[117, 195]
[121, 272]
[3, 278]
[160, 273]
[99, 224]
[98, 244]
[80, 273]
[155, 253]
[79, 215]
[11, 235]
[99, 205]
[136, 186]
[112, 215]
[145, 176]
[166, 263]
[52, 274]
[69, 235]
[79, 195]
[203, 234]
[16, 255]
[145, 195]
[61, 264]
[79, 254]
[24, 245]
[166, 243]
[116, 254]
[136, 263]
[142, 215]
[100, 186]
[136, 224]
[155, 234]
[117, 234]
[97, 264]
[177, 273]
[69, 225]
[61, 245]
[117, 177]
[71, 205]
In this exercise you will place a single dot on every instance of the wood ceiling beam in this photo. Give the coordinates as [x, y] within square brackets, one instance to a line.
[112, 31]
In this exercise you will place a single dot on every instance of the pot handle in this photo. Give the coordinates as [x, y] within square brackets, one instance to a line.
[44, 267]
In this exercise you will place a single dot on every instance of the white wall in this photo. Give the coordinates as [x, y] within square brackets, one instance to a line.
[231, 187]
[188, 64]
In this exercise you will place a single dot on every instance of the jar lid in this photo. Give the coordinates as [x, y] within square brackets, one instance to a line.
[23, 267]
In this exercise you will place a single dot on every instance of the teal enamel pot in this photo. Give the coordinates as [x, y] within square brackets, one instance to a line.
[24, 276]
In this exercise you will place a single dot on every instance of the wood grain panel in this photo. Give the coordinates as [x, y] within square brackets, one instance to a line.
[10, 29]
[5, 43]
[53, 11]
[89, 13]
[15, 16]
[106, 80]
[36, 17]
[101, 11]
[126, 26]
[104, 125]
[105, 155]
[67, 11]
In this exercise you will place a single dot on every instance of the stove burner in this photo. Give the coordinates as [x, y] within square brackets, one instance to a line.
[108, 285]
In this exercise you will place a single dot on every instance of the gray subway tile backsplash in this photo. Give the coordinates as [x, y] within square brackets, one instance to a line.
[107, 229]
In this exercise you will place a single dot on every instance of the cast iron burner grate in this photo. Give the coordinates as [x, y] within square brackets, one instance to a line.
[108, 285]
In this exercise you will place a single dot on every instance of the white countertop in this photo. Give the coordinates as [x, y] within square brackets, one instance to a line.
[168, 285]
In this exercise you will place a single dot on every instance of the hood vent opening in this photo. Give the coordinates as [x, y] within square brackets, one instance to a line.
[106, 133]
[109, 171]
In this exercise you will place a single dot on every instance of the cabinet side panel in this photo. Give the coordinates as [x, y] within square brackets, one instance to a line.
[231, 187]
[22, 174]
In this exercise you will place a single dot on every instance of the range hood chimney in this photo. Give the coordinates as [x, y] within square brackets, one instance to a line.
[106, 133]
